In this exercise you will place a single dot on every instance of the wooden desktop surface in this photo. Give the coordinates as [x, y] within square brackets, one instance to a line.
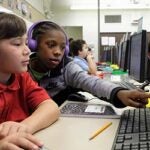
[73, 134]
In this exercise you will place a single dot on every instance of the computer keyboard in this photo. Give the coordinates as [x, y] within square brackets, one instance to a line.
[127, 85]
[134, 130]
[80, 109]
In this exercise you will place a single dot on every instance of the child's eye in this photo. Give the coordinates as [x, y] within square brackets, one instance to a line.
[51, 45]
[17, 44]
[63, 47]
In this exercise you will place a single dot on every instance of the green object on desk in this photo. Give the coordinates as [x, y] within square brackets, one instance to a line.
[119, 72]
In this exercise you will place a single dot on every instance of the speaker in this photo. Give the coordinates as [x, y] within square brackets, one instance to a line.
[32, 43]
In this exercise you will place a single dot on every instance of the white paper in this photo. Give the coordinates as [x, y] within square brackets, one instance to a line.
[95, 109]
[112, 41]
[115, 78]
[104, 41]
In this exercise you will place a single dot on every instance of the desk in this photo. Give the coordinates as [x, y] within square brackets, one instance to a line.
[73, 134]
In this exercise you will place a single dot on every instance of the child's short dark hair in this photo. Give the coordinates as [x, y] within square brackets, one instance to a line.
[11, 26]
[76, 46]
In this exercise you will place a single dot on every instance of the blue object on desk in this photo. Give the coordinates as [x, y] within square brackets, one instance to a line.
[108, 69]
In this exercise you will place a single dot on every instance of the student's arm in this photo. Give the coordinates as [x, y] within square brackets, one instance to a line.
[45, 110]
[112, 93]
[91, 64]
[77, 78]
[46, 113]
[42, 110]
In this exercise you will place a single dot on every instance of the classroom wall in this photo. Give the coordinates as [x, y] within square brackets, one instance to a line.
[2, 9]
[43, 6]
[74, 32]
[85, 19]
[31, 11]
[88, 20]
[38, 4]
[127, 18]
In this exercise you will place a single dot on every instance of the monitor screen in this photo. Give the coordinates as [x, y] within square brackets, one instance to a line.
[106, 55]
[138, 56]
[114, 55]
[119, 53]
[124, 61]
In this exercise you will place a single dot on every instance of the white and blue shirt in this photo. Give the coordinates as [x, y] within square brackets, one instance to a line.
[81, 62]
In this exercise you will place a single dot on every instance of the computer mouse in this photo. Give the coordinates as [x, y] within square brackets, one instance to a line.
[145, 83]
[77, 97]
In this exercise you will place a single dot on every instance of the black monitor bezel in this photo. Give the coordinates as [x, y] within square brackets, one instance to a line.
[124, 62]
[142, 71]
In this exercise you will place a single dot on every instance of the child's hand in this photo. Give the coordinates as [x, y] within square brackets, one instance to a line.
[19, 141]
[134, 98]
[10, 127]
[89, 56]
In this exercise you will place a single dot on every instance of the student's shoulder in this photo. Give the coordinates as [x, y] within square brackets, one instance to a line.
[23, 76]
[67, 60]
[73, 67]
[24, 79]
[76, 58]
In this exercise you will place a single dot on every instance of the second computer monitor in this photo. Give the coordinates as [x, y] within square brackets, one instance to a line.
[138, 56]
[124, 58]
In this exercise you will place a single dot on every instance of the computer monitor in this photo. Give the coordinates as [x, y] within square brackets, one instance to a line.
[106, 55]
[138, 56]
[124, 60]
[119, 53]
[114, 54]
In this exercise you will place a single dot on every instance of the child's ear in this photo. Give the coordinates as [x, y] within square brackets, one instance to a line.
[79, 52]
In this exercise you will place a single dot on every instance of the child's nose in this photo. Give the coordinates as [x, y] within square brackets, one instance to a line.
[27, 50]
[57, 50]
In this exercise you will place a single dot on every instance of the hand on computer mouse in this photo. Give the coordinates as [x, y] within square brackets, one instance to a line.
[145, 83]
[134, 98]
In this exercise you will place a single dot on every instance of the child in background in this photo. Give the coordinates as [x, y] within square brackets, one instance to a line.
[24, 106]
[51, 67]
[82, 56]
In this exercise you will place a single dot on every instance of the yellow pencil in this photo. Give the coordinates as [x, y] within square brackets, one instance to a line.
[100, 130]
